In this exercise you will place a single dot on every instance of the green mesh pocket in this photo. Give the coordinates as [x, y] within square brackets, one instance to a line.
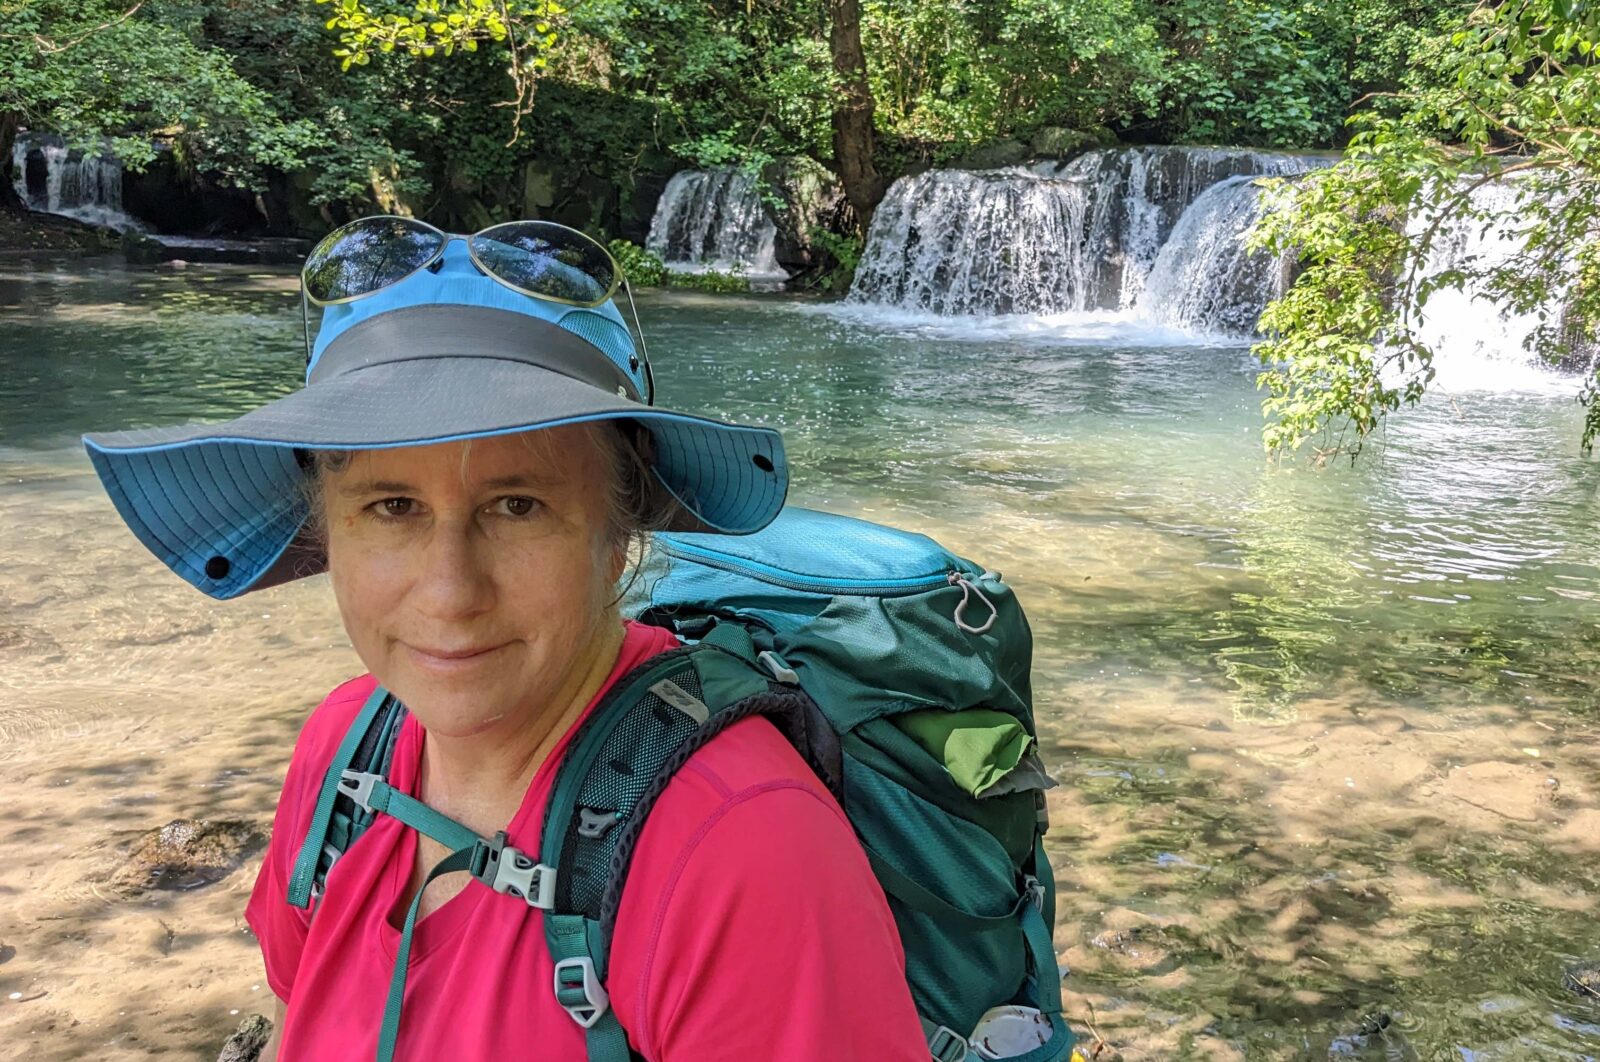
[953, 891]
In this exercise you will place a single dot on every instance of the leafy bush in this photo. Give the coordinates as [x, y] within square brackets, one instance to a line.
[643, 269]
[711, 280]
[844, 253]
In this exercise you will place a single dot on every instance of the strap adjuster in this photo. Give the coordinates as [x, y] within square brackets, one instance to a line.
[1033, 888]
[580, 992]
[946, 1045]
[780, 671]
[504, 868]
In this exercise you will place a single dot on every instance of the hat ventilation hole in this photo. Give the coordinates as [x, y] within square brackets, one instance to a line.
[762, 461]
[218, 568]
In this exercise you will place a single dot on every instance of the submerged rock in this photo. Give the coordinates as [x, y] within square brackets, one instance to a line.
[247, 1043]
[186, 854]
[1149, 948]
[1584, 979]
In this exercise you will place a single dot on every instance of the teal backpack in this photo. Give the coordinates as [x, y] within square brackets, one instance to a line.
[901, 674]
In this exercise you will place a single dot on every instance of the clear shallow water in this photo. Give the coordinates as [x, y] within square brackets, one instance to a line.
[1327, 739]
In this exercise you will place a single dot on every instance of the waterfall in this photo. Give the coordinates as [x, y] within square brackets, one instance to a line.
[964, 242]
[52, 178]
[714, 219]
[1476, 344]
[1203, 278]
[1086, 235]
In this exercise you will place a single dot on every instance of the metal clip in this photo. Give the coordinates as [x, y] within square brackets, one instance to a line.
[968, 590]
[1033, 888]
[592, 823]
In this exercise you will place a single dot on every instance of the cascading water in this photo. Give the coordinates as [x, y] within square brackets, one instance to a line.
[1203, 278]
[1141, 194]
[51, 178]
[964, 242]
[714, 219]
[1081, 236]
[1476, 344]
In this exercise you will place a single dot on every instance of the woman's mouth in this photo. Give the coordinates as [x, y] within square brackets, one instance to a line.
[435, 658]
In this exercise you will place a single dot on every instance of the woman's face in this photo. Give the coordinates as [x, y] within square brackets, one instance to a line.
[475, 579]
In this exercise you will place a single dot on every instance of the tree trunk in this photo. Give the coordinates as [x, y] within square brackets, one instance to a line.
[853, 146]
[9, 200]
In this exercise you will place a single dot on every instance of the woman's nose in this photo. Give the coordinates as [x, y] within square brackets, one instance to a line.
[456, 580]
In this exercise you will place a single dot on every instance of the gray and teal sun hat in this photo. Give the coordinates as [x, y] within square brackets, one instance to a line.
[440, 356]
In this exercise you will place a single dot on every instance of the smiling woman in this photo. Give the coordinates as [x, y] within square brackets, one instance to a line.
[482, 574]
[471, 461]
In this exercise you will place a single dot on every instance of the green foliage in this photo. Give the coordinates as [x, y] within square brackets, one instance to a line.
[643, 269]
[95, 70]
[1283, 73]
[1248, 71]
[959, 74]
[734, 83]
[1499, 129]
[437, 26]
[845, 254]
[718, 283]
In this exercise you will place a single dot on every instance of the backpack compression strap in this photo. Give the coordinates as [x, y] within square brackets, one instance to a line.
[616, 768]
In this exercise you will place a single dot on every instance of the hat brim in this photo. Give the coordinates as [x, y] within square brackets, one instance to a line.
[224, 505]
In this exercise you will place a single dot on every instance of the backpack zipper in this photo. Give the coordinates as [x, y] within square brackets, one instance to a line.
[777, 577]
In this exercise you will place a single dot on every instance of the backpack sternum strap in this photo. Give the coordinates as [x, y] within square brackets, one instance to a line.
[372, 792]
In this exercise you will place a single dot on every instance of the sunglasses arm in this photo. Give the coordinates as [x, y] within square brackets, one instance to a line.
[305, 322]
[644, 349]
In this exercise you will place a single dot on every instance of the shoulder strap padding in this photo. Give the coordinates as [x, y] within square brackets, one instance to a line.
[373, 755]
[632, 745]
[789, 709]
[608, 766]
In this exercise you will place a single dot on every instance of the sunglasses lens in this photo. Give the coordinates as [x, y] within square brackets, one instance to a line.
[548, 260]
[368, 255]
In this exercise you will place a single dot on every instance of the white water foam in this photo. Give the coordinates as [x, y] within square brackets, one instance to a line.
[1101, 328]
[1478, 346]
[1157, 230]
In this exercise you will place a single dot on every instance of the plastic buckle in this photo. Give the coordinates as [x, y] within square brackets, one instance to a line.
[583, 997]
[946, 1045]
[786, 675]
[505, 869]
[1034, 889]
[357, 785]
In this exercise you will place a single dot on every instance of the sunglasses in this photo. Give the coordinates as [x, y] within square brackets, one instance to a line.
[539, 259]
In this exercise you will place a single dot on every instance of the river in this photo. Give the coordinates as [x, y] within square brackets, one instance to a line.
[1326, 738]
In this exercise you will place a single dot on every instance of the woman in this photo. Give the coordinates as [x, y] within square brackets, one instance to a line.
[472, 457]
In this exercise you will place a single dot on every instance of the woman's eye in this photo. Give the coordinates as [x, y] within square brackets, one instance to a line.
[518, 505]
[396, 506]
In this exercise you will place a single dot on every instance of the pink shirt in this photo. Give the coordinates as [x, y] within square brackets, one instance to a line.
[751, 927]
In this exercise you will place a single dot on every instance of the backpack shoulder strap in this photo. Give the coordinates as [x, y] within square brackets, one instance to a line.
[368, 747]
[617, 766]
